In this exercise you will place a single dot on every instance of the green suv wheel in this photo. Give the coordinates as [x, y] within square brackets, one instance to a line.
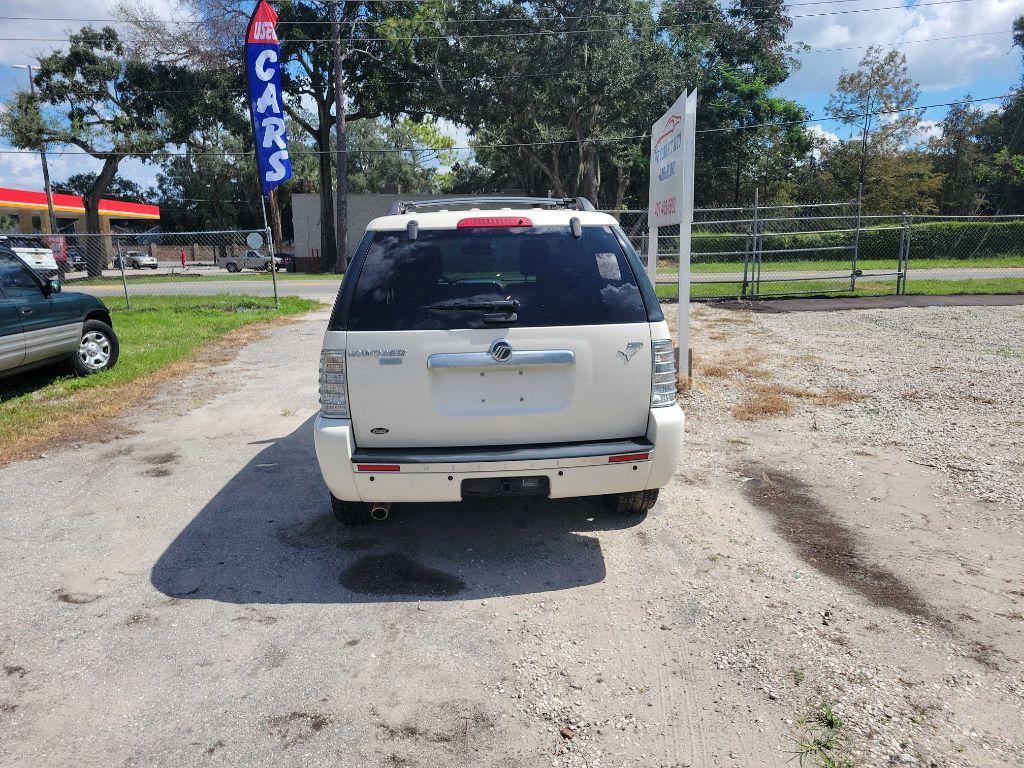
[98, 349]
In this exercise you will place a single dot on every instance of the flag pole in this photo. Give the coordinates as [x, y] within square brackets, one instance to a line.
[273, 260]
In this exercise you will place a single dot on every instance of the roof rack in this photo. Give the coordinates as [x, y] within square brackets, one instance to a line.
[550, 203]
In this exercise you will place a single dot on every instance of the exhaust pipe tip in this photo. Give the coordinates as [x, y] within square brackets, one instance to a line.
[379, 512]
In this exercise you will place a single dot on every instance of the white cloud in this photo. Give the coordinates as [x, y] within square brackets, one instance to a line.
[817, 131]
[928, 129]
[24, 170]
[936, 65]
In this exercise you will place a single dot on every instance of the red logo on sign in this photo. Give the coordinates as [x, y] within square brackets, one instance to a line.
[261, 26]
[670, 128]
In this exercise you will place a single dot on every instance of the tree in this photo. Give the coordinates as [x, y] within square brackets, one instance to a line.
[879, 85]
[94, 97]
[958, 155]
[80, 183]
[379, 160]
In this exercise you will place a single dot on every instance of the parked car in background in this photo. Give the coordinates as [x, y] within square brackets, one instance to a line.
[41, 324]
[252, 260]
[287, 261]
[135, 260]
[511, 352]
[76, 259]
[33, 251]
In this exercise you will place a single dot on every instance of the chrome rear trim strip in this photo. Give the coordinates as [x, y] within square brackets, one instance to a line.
[518, 359]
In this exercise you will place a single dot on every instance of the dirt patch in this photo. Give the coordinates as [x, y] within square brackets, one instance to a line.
[158, 459]
[762, 405]
[74, 598]
[95, 423]
[159, 472]
[296, 727]
[824, 543]
[14, 669]
[839, 396]
[741, 362]
[397, 575]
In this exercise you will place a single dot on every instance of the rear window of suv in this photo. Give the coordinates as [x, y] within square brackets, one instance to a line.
[557, 279]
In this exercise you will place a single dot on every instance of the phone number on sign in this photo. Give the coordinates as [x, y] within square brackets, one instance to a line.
[665, 207]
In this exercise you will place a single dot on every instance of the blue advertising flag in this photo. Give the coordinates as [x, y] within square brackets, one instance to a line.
[263, 72]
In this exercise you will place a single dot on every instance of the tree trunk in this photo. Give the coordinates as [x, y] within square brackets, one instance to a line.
[591, 175]
[622, 181]
[98, 248]
[327, 235]
[275, 222]
[341, 193]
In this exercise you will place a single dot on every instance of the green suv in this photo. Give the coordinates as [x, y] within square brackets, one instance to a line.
[39, 324]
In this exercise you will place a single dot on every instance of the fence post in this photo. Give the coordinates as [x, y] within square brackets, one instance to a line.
[856, 240]
[906, 251]
[755, 272]
[124, 279]
[652, 256]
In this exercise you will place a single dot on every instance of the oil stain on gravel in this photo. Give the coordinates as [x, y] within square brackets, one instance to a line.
[398, 575]
[825, 543]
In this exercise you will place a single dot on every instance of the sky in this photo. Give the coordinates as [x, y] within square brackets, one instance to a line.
[977, 60]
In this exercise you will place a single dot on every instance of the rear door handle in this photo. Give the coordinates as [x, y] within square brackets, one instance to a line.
[26, 310]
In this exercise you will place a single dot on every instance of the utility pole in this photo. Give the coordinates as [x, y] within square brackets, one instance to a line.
[341, 149]
[42, 155]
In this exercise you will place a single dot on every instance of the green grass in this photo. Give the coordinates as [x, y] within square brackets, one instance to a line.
[805, 265]
[820, 741]
[194, 277]
[157, 333]
[865, 287]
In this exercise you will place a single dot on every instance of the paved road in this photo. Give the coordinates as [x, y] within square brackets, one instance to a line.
[182, 596]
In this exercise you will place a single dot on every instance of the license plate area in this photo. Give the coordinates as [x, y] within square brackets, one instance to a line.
[506, 486]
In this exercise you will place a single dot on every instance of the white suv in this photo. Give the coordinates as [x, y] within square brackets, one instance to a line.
[516, 351]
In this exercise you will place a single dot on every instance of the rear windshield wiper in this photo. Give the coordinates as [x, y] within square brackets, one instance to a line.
[504, 305]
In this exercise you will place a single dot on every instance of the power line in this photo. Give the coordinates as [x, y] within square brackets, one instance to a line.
[548, 32]
[490, 19]
[513, 145]
[504, 78]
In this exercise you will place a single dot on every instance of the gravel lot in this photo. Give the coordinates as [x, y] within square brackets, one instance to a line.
[837, 564]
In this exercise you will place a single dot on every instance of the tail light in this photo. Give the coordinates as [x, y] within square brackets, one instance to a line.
[663, 375]
[333, 385]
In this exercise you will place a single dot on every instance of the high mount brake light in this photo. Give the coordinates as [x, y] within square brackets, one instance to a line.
[494, 222]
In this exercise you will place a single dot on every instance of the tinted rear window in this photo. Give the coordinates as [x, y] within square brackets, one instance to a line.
[557, 279]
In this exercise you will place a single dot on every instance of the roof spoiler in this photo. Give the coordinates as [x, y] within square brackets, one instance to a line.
[548, 203]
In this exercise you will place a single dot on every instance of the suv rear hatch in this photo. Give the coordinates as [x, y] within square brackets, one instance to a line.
[495, 335]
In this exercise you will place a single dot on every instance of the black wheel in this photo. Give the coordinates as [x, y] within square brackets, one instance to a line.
[351, 512]
[98, 349]
[266, 267]
[232, 267]
[635, 502]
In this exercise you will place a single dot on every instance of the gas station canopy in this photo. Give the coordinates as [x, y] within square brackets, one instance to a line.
[30, 208]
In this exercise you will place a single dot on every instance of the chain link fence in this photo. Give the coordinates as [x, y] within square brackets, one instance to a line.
[831, 248]
[126, 270]
[742, 252]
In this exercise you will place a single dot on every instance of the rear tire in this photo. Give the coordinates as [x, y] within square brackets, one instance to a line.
[635, 502]
[351, 512]
[98, 351]
[232, 267]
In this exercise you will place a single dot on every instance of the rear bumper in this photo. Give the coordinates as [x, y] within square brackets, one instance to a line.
[574, 469]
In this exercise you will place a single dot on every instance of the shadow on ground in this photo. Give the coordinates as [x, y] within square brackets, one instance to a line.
[33, 379]
[269, 537]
